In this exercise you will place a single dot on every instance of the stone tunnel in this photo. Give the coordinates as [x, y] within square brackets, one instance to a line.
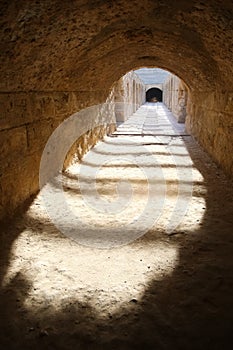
[154, 94]
[76, 60]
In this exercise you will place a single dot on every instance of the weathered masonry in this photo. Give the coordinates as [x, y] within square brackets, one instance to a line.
[60, 57]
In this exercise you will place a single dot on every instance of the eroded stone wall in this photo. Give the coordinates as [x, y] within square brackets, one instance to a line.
[210, 121]
[58, 57]
[175, 96]
[27, 121]
[104, 123]
[129, 94]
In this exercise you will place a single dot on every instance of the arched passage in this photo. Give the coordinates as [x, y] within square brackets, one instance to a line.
[154, 95]
[58, 58]
[90, 46]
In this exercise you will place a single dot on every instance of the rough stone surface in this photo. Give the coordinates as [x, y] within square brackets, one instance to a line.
[175, 95]
[59, 57]
[87, 45]
[86, 142]
[129, 94]
[210, 121]
[159, 292]
[23, 137]
[27, 123]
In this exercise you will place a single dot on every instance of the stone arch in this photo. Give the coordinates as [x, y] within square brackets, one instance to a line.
[154, 95]
[57, 59]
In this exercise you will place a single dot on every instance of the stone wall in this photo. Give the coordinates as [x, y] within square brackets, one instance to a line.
[175, 96]
[129, 94]
[26, 122]
[209, 120]
[207, 116]
[102, 121]
[59, 57]
[28, 119]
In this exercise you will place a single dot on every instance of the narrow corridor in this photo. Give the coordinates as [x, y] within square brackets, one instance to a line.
[150, 256]
[142, 171]
[116, 239]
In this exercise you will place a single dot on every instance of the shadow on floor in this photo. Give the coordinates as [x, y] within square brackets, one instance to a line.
[192, 308]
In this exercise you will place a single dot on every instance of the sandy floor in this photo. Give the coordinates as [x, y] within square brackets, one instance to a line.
[139, 257]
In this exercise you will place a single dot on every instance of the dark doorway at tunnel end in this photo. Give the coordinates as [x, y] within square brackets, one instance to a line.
[154, 95]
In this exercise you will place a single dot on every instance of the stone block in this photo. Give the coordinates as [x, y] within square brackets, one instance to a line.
[38, 133]
[13, 143]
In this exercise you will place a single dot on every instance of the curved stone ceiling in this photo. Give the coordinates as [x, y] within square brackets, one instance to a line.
[88, 45]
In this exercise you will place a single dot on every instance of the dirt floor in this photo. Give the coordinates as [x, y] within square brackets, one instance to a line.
[143, 263]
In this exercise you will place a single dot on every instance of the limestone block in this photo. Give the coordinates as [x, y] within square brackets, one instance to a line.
[213, 129]
[42, 105]
[13, 143]
[14, 110]
[61, 103]
[229, 103]
[38, 133]
[19, 183]
[175, 96]
[129, 95]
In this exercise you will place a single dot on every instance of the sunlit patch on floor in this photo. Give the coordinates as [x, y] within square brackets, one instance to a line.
[62, 272]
